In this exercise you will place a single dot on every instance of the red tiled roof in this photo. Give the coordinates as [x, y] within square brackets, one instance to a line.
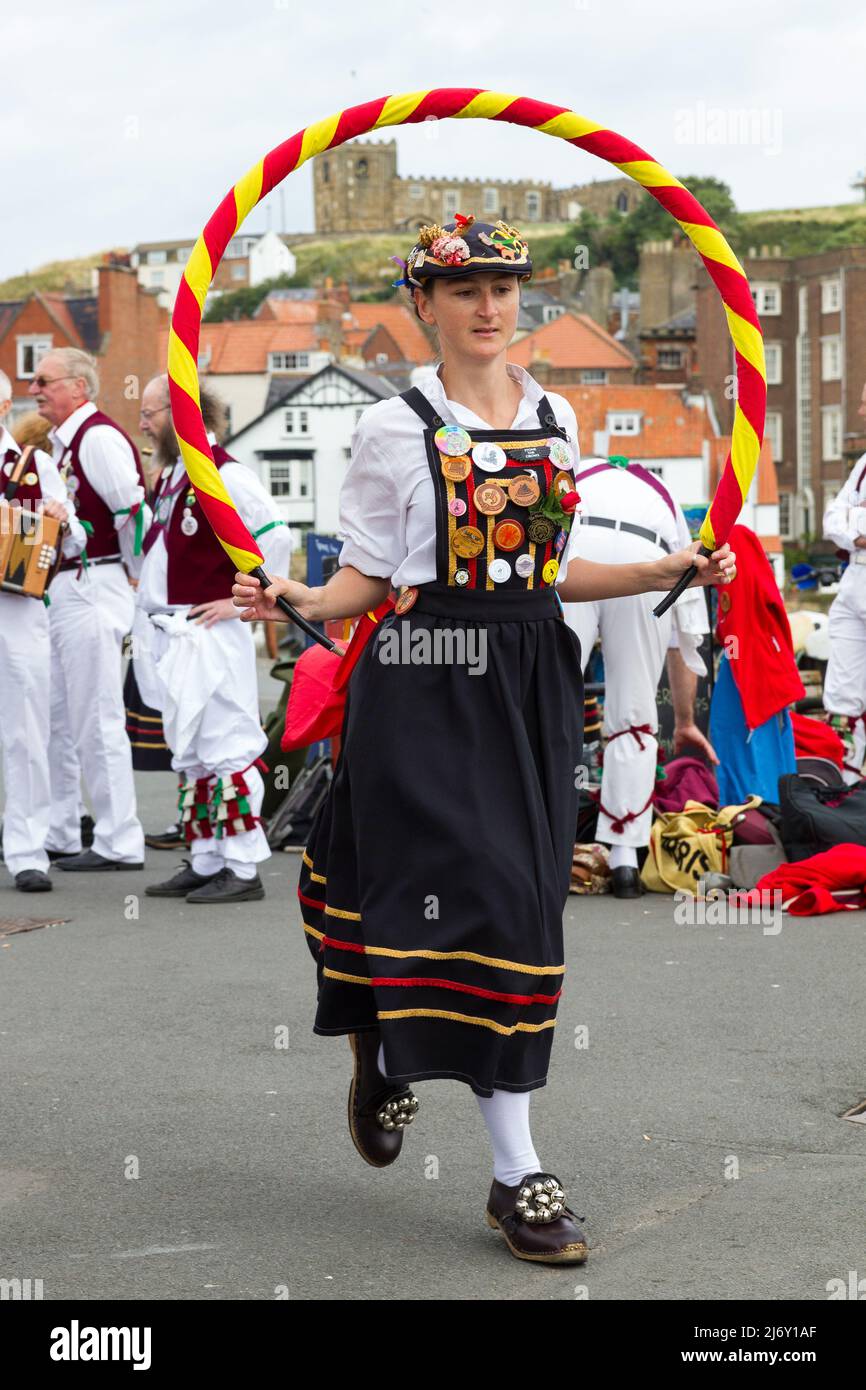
[403, 328]
[572, 340]
[669, 427]
[56, 306]
[288, 310]
[241, 347]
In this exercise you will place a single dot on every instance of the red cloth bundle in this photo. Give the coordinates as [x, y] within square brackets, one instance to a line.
[317, 697]
[816, 885]
[815, 739]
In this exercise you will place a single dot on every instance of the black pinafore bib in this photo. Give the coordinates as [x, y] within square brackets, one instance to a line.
[435, 876]
[494, 494]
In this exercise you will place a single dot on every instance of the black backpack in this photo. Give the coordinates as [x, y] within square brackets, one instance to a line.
[289, 827]
[815, 818]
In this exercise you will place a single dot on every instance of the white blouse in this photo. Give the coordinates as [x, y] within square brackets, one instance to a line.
[387, 501]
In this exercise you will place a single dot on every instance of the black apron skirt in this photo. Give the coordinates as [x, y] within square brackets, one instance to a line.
[435, 877]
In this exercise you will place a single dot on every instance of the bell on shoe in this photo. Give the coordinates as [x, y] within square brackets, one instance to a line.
[379, 1110]
[536, 1222]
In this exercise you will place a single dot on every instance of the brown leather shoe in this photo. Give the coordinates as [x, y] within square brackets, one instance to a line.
[536, 1222]
[379, 1110]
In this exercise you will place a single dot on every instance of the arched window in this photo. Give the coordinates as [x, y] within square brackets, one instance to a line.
[361, 168]
[622, 202]
[326, 171]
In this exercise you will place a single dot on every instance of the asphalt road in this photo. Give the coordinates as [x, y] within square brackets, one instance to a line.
[155, 1143]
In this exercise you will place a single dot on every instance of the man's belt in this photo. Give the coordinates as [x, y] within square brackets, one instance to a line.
[100, 560]
[616, 525]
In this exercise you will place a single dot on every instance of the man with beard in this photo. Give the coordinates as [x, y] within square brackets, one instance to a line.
[196, 663]
[91, 612]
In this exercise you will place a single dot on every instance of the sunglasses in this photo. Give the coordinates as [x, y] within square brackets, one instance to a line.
[43, 381]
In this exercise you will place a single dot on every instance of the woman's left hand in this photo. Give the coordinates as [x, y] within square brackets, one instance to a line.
[217, 611]
[720, 568]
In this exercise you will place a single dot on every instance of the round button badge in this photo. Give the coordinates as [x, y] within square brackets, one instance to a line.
[524, 490]
[550, 571]
[452, 439]
[467, 541]
[560, 454]
[499, 570]
[490, 499]
[489, 457]
[456, 469]
[461, 577]
[540, 529]
[457, 506]
[524, 565]
[508, 535]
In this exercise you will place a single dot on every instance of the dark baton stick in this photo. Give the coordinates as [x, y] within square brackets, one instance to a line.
[681, 585]
[323, 641]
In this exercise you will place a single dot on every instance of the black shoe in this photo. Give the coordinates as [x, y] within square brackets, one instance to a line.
[89, 860]
[183, 882]
[379, 1109]
[536, 1222]
[56, 854]
[33, 881]
[172, 838]
[88, 825]
[626, 882]
[226, 887]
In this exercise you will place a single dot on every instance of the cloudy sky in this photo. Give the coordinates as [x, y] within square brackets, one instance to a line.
[127, 122]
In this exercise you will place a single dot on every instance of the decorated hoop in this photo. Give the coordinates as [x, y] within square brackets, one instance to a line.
[462, 103]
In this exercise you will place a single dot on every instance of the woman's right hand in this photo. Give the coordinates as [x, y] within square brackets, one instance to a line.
[256, 603]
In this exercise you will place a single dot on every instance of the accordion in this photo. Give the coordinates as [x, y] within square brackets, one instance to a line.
[29, 550]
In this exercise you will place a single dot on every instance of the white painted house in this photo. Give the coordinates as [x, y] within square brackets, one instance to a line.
[301, 443]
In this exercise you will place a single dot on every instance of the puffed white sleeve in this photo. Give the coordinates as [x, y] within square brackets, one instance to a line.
[53, 486]
[372, 514]
[838, 523]
[567, 418]
[259, 513]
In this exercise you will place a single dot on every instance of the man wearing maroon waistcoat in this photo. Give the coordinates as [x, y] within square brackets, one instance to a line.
[92, 609]
[196, 662]
[25, 665]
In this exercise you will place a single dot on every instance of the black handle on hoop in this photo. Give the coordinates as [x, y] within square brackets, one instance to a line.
[326, 642]
[681, 585]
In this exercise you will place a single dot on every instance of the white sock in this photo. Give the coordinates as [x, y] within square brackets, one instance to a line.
[623, 856]
[206, 862]
[241, 868]
[506, 1115]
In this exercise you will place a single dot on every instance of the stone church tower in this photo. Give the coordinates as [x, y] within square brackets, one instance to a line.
[353, 187]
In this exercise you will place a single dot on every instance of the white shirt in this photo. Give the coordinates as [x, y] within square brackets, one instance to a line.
[387, 501]
[615, 492]
[52, 487]
[839, 524]
[109, 466]
[256, 508]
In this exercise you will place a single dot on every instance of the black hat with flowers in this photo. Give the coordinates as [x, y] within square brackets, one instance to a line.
[464, 247]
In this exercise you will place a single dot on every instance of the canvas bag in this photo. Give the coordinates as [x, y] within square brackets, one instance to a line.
[685, 845]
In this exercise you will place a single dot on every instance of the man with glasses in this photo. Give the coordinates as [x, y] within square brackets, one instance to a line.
[92, 609]
[25, 665]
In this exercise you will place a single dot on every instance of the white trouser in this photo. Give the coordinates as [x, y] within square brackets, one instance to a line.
[204, 682]
[89, 617]
[845, 681]
[634, 645]
[25, 668]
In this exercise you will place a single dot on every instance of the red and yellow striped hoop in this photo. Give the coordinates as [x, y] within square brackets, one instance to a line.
[462, 103]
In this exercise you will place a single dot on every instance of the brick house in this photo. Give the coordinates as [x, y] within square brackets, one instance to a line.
[120, 324]
[813, 317]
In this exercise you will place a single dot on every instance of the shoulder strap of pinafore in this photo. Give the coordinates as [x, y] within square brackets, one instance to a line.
[420, 404]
